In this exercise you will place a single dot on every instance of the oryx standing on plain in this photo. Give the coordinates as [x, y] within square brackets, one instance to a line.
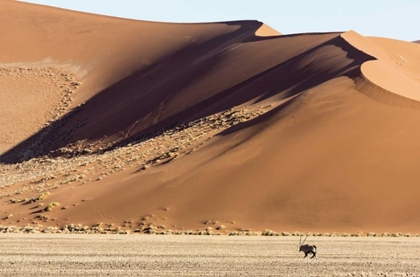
[306, 248]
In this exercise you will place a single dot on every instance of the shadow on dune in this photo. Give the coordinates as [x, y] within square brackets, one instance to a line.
[163, 95]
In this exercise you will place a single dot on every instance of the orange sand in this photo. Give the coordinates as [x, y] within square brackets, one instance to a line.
[335, 148]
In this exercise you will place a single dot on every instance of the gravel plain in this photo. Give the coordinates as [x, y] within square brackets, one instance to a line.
[150, 255]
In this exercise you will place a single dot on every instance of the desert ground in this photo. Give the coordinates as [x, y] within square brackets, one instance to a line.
[114, 255]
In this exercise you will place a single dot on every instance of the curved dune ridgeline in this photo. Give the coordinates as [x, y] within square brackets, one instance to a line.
[228, 125]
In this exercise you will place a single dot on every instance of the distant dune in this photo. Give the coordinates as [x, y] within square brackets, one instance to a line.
[227, 125]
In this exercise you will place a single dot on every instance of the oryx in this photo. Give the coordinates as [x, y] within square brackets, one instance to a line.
[306, 248]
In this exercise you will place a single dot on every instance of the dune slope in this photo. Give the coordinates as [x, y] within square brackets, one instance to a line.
[227, 125]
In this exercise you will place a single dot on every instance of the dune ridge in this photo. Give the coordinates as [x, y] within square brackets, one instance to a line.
[379, 79]
[224, 126]
[382, 95]
[390, 91]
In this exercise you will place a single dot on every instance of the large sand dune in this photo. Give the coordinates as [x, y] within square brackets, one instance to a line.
[226, 123]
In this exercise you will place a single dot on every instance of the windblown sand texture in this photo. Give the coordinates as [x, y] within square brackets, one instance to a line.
[229, 126]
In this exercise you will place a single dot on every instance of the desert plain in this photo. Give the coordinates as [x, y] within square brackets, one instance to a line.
[116, 126]
[116, 255]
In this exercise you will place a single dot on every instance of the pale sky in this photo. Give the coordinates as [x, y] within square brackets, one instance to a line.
[398, 19]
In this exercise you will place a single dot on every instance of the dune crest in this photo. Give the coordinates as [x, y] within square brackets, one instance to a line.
[393, 87]
[390, 79]
[266, 31]
[364, 44]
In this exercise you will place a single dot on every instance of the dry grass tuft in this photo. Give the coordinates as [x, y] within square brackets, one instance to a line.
[43, 196]
[51, 206]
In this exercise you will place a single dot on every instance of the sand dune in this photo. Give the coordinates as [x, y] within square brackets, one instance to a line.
[228, 125]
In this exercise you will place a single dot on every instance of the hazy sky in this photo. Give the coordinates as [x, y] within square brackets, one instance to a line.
[398, 19]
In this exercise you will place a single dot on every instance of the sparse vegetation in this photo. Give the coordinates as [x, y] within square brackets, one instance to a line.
[221, 227]
[144, 153]
[47, 174]
[43, 196]
[51, 206]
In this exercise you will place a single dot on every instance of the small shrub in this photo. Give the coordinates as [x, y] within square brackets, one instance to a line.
[43, 196]
[221, 227]
[51, 206]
